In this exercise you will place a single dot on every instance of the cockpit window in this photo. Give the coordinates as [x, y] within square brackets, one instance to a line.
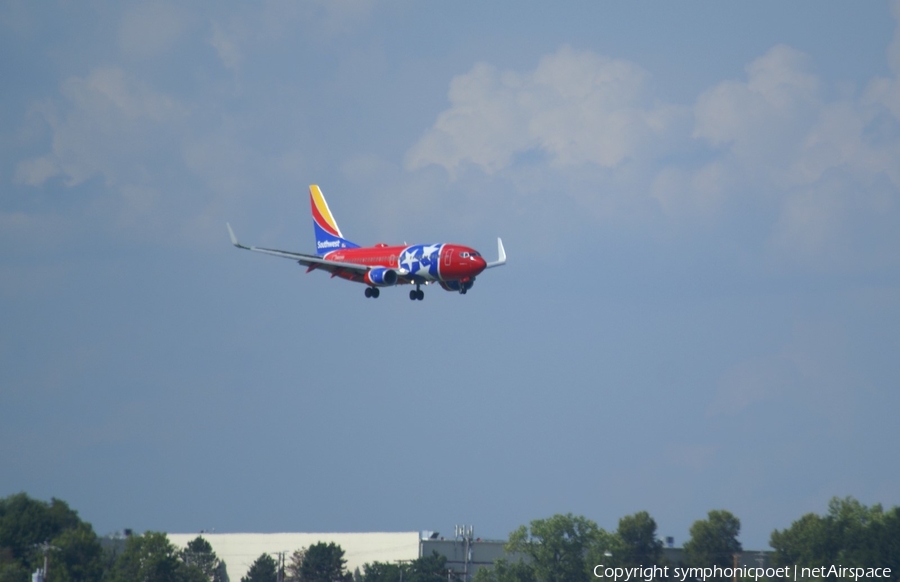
[464, 255]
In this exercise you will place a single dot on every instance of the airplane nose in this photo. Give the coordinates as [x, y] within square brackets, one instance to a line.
[480, 264]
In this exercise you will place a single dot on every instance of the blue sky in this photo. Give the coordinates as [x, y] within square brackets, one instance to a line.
[700, 311]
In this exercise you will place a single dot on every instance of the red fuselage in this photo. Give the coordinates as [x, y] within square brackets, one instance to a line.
[415, 264]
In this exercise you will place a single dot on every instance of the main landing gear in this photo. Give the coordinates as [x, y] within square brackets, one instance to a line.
[416, 293]
[373, 292]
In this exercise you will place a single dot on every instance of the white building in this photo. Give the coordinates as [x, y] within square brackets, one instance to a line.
[240, 550]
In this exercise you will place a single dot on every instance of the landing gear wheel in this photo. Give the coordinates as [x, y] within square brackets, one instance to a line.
[413, 294]
[369, 291]
[420, 295]
[463, 291]
[376, 292]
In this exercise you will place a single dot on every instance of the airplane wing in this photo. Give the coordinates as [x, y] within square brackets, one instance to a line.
[348, 270]
[501, 256]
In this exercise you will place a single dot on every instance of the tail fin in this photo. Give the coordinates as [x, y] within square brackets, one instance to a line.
[328, 235]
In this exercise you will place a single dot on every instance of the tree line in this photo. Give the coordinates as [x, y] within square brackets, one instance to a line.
[325, 563]
[561, 548]
[31, 528]
[567, 548]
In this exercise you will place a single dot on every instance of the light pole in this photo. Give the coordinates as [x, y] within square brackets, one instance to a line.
[45, 548]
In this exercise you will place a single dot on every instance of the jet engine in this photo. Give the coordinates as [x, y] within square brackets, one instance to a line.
[381, 277]
[459, 286]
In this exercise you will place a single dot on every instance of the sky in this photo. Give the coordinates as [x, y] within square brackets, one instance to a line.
[700, 310]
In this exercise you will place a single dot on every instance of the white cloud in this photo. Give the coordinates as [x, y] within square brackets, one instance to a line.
[321, 18]
[683, 193]
[886, 91]
[584, 126]
[761, 120]
[807, 224]
[482, 127]
[227, 47]
[779, 110]
[103, 125]
[24, 233]
[575, 108]
[245, 33]
[820, 163]
[109, 92]
[36, 171]
[112, 126]
[149, 29]
[893, 54]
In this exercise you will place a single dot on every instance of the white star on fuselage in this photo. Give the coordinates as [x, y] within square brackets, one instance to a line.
[407, 260]
[423, 271]
[430, 250]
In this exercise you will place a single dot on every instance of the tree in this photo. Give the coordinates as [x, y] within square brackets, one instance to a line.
[558, 548]
[506, 571]
[850, 534]
[431, 568]
[262, 570]
[806, 542]
[713, 540]
[320, 563]
[152, 558]
[381, 572]
[293, 568]
[199, 553]
[860, 535]
[884, 540]
[79, 557]
[635, 543]
[11, 571]
[221, 573]
[26, 522]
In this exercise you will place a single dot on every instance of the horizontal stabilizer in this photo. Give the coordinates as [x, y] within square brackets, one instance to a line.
[309, 261]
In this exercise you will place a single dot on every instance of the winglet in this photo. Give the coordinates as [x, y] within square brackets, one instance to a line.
[234, 239]
[501, 256]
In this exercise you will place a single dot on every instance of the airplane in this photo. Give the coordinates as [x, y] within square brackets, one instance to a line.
[454, 267]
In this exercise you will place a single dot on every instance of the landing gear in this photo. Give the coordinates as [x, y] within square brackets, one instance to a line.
[373, 292]
[416, 294]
